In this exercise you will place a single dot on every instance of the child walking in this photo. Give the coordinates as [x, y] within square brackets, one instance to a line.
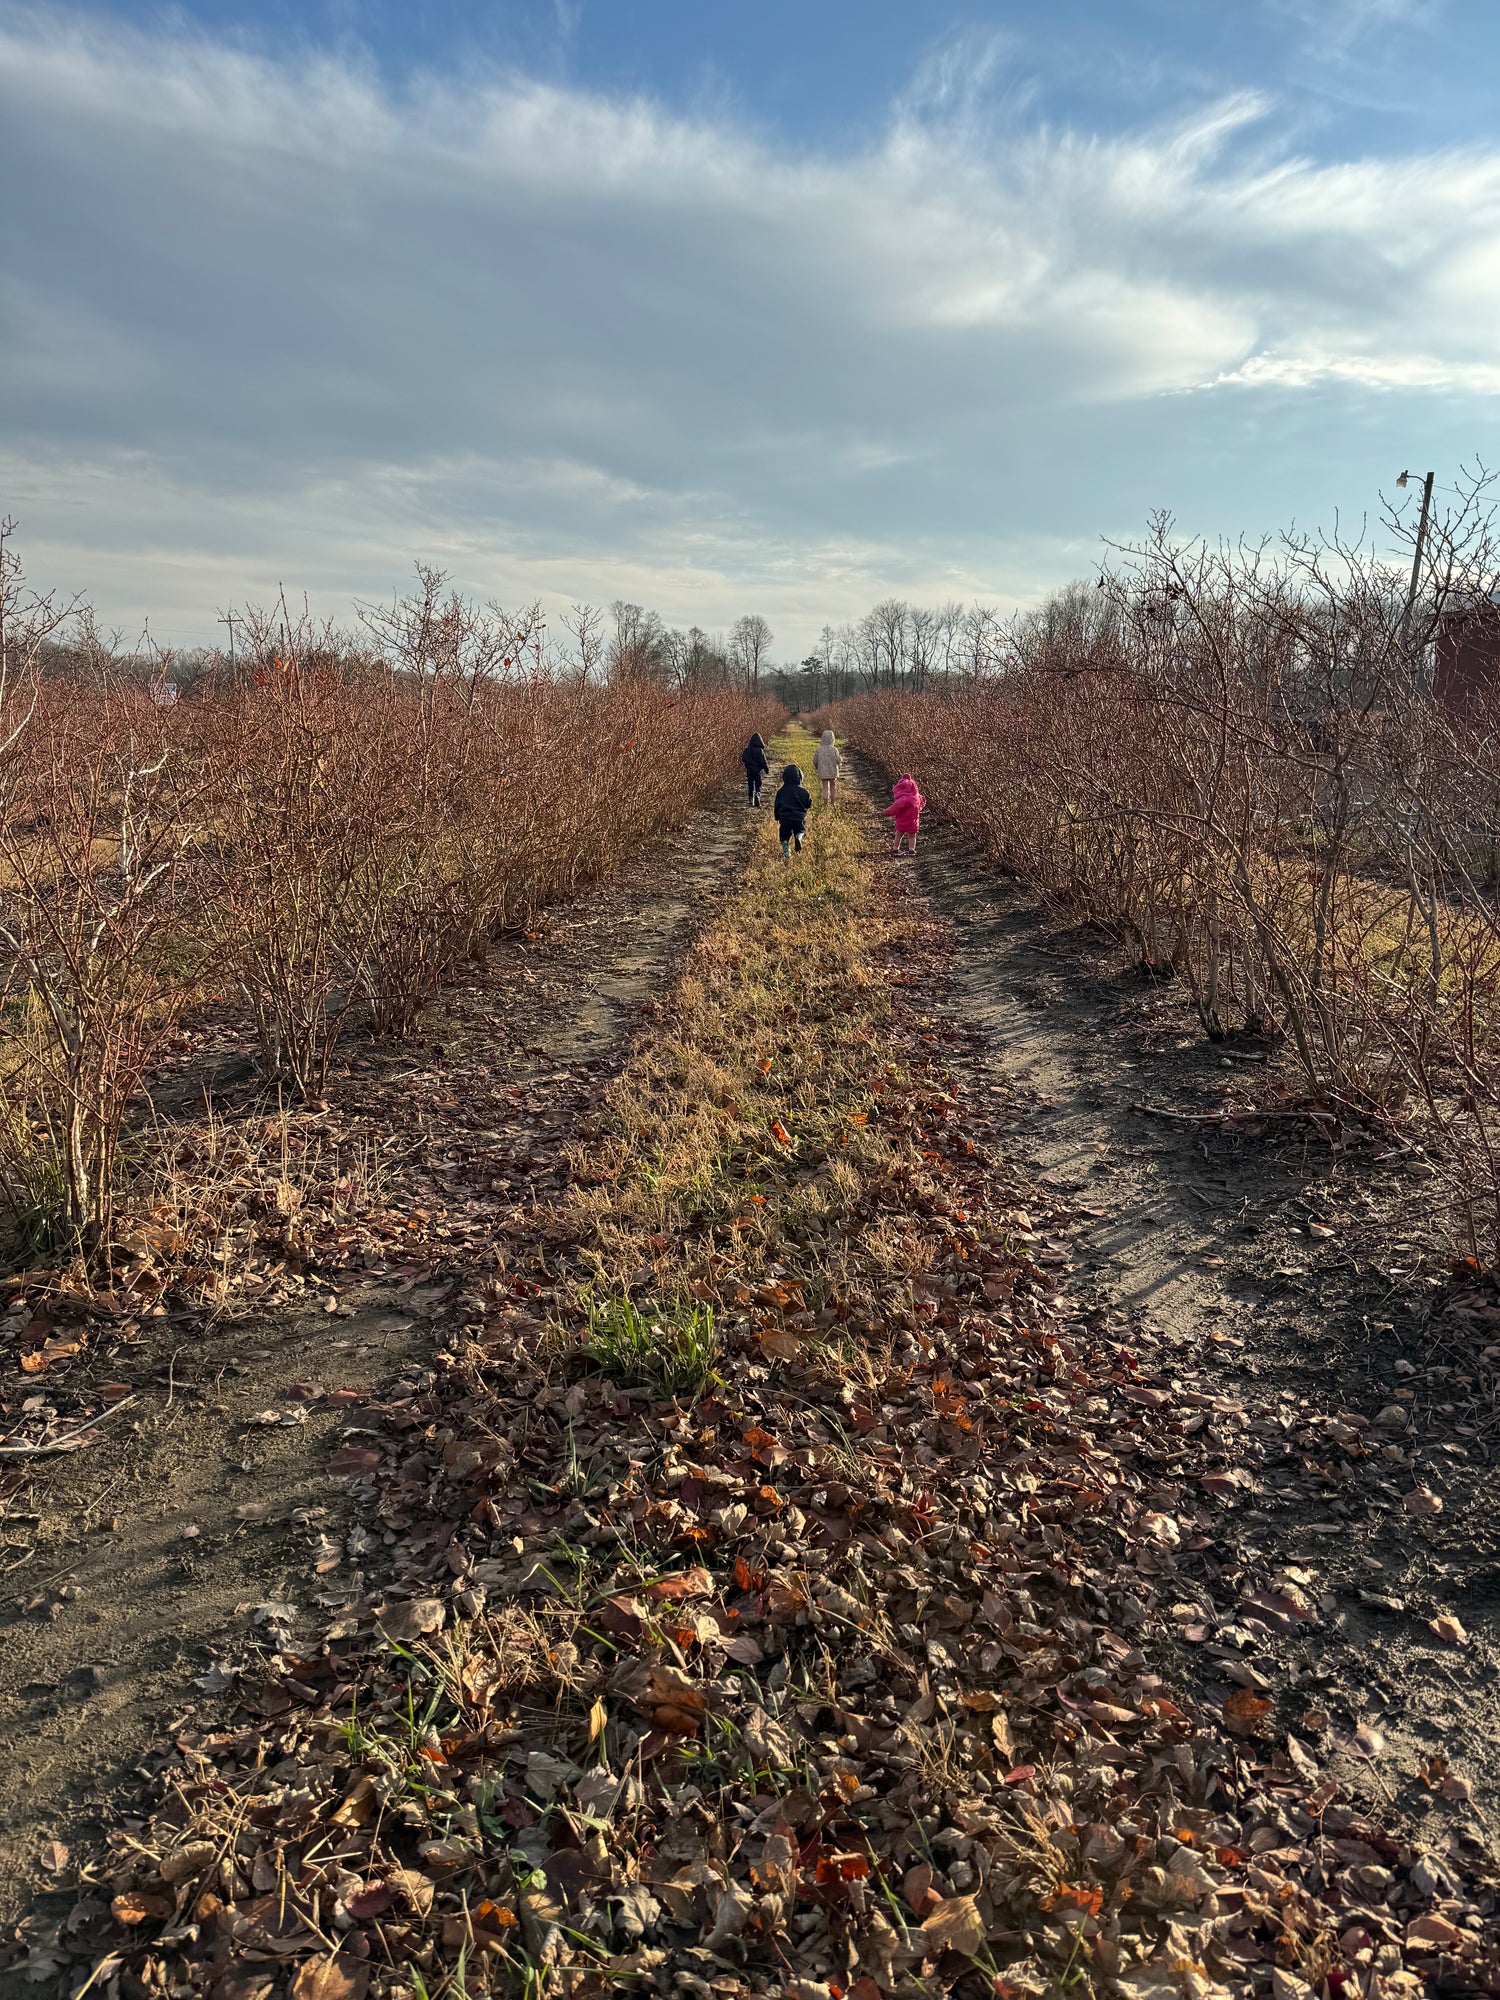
[826, 762]
[905, 809]
[791, 807]
[756, 764]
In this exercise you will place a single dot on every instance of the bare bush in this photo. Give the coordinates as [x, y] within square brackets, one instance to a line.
[94, 811]
[327, 833]
[1233, 756]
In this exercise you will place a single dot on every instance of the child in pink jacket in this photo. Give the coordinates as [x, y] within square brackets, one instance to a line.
[906, 810]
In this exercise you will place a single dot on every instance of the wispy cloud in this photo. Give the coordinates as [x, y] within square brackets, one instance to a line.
[274, 320]
[1336, 28]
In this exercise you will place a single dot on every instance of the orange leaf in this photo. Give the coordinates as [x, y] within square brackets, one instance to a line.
[842, 1868]
[136, 1907]
[1244, 1712]
[675, 1589]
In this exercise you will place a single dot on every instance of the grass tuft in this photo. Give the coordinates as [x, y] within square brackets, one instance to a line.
[672, 1348]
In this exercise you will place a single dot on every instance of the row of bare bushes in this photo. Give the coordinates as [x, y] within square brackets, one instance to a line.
[1235, 758]
[323, 838]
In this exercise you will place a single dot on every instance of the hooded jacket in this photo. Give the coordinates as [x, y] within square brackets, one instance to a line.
[792, 804]
[826, 758]
[906, 804]
[754, 757]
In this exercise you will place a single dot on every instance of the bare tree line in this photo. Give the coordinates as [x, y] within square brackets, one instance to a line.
[436, 630]
[896, 645]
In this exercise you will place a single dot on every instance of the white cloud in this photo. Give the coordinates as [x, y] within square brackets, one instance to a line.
[269, 321]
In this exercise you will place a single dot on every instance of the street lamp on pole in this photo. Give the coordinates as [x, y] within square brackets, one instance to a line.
[1416, 560]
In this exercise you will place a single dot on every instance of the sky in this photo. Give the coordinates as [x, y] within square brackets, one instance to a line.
[725, 305]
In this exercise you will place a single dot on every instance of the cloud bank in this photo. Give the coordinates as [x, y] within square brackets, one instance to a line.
[268, 321]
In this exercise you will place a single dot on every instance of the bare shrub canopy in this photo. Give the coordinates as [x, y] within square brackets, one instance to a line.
[1234, 757]
[323, 834]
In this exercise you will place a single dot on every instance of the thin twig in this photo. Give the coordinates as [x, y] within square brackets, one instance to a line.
[68, 1442]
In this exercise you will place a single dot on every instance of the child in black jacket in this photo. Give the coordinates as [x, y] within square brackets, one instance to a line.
[791, 807]
[756, 764]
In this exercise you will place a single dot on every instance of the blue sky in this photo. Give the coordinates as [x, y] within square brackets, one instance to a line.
[722, 306]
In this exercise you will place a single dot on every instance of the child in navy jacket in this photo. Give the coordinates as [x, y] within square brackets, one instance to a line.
[791, 807]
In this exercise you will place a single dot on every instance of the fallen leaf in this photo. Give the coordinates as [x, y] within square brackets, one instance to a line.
[350, 1460]
[188, 1860]
[1306, 1769]
[54, 1857]
[1433, 1933]
[1422, 1502]
[1244, 1711]
[1235, 1480]
[732, 1906]
[767, 1740]
[134, 1906]
[1448, 1627]
[955, 1925]
[362, 1904]
[358, 1804]
[413, 1887]
[412, 1619]
[337, 1978]
[779, 1342]
[676, 1589]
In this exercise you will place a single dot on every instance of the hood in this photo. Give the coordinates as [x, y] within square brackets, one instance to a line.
[828, 739]
[905, 783]
[792, 775]
[755, 742]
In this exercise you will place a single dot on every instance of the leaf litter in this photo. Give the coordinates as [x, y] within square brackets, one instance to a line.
[822, 1667]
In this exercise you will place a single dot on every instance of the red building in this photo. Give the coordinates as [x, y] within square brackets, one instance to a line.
[1466, 671]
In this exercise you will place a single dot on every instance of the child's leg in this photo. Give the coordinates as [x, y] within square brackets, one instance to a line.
[828, 791]
[786, 846]
[914, 843]
[798, 838]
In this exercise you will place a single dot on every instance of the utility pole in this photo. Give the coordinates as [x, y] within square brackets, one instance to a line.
[1416, 561]
[228, 618]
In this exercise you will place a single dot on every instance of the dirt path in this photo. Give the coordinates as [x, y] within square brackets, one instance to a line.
[134, 1575]
[1289, 1280]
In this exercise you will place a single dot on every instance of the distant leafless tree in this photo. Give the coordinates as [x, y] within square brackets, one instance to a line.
[750, 647]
